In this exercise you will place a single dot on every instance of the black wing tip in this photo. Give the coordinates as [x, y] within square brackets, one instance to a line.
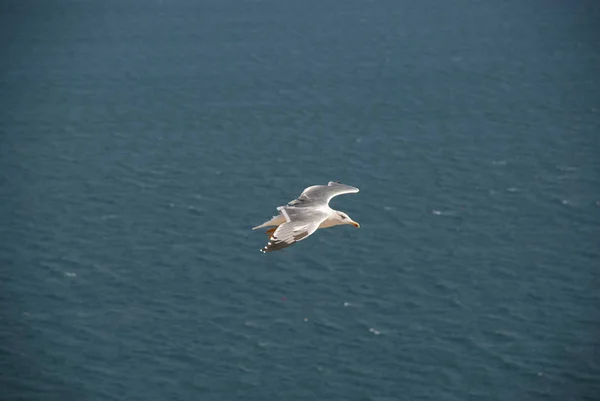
[275, 246]
[266, 250]
[350, 187]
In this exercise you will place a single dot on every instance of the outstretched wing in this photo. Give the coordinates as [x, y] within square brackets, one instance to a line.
[300, 223]
[322, 194]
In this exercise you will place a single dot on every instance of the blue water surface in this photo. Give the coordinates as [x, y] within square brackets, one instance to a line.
[141, 140]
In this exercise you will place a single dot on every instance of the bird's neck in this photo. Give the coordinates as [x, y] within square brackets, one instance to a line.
[332, 220]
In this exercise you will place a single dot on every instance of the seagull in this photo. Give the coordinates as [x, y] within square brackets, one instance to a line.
[304, 215]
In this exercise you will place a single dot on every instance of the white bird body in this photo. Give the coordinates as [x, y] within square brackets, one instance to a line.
[331, 220]
[306, 214]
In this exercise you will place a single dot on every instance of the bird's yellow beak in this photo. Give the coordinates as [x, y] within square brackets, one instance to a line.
[355, 224]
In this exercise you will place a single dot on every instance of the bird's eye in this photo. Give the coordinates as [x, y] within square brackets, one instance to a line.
[343, 217]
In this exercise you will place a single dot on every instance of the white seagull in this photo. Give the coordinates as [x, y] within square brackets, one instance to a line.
[304, 215]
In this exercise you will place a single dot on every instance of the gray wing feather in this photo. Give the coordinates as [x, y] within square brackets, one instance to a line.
[300, 224]
[322, 194]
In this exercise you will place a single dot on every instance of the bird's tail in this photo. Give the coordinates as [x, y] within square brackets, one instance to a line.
[275, 221]
[261, 226]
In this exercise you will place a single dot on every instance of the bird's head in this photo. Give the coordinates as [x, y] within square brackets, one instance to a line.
[343, 218]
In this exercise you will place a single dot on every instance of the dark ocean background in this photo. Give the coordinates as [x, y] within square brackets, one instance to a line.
[141, 140]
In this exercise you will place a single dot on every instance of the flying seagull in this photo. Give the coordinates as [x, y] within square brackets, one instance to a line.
[304, 215]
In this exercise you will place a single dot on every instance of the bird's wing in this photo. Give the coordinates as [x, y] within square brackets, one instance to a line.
[300, 223]
[322, 194]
